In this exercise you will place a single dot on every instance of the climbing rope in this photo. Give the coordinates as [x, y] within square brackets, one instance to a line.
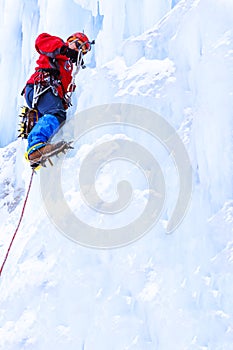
[20, 219]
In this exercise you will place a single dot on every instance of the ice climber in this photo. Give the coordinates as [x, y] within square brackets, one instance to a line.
[47, 90]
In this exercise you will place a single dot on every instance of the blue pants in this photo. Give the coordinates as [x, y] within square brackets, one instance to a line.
[51, 116]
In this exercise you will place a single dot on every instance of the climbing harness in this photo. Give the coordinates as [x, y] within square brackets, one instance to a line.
[44, 81]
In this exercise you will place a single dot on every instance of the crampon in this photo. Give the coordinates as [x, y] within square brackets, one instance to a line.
[41, 156]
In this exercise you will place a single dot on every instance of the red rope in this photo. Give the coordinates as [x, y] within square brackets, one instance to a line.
[20, 219]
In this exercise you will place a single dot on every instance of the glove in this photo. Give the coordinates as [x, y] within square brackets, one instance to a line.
[72, 54]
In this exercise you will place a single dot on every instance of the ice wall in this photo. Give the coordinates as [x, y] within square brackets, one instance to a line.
[165, 291]
[184, 76]
[21, 21]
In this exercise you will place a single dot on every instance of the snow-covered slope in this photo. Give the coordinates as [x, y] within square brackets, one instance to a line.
[163, 292]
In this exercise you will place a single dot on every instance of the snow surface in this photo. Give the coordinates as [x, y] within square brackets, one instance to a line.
[163, 292]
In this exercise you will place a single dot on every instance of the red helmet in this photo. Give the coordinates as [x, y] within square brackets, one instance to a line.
[81, 40]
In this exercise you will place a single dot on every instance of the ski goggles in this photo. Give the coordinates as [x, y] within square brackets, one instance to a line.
[85, 47]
